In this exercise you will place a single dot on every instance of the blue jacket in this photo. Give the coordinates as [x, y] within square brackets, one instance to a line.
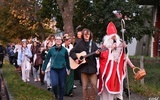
[22, 54]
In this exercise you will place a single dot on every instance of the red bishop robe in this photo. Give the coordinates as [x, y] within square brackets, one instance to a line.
[111, 73]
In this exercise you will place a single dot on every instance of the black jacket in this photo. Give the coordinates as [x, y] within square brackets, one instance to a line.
[90, 67]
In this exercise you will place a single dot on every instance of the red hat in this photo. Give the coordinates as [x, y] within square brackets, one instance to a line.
[111, 29]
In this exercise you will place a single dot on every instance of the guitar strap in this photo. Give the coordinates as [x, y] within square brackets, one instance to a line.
[90, 46]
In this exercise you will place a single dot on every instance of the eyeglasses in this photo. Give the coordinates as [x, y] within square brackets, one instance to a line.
[87, 34]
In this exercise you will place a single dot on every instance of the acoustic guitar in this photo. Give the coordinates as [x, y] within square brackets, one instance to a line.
[82, 55]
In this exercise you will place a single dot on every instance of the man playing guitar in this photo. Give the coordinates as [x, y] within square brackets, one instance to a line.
[88, 69]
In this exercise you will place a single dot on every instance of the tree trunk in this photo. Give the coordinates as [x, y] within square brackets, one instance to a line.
[67, 9]
[68, 25]
[41, 31]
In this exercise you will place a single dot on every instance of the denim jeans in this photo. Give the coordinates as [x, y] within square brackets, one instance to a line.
[58, 77]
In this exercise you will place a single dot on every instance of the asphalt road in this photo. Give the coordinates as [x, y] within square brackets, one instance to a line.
[78, 92]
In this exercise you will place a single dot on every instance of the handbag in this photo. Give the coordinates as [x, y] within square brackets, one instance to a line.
[139, 74]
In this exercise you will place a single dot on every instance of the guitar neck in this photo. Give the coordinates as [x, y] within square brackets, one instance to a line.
[103, 49]
[89, 54]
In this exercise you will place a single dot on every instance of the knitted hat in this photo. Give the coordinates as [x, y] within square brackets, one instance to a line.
[111, 29]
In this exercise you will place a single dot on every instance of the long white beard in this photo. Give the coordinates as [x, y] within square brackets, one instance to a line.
[108, 42]
[116, 53]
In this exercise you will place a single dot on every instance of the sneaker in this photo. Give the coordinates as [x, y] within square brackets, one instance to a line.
[35, 80]
[28, 80]
[38, 79]
[71, 95]
[49, 89]
[24, 80]
[74, 86]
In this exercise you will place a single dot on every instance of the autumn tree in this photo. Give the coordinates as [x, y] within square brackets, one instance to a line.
[10, 29]
[28, 14]
[33, 16]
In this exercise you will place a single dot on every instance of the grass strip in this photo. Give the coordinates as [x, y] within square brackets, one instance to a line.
[151, 85]
[22, 90]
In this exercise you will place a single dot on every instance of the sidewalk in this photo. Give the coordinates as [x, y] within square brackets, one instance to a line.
[78, 92]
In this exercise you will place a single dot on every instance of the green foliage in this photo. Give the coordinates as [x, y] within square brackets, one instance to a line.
[49, 10]
[92, 14]
[98, 14]
[20, 90]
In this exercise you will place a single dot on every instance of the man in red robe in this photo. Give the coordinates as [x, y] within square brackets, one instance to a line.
[112, 66]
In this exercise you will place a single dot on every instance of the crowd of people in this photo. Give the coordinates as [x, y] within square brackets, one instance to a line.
[49, 63]
[30, 58]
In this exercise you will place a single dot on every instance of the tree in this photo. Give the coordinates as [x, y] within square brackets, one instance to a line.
[67, 11]
[27, 14]
[33, 16]
[50, 11]
[98, 14]
[63, 10]
[10, 29]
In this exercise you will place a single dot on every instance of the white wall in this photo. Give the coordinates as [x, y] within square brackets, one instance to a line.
[132, 47]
